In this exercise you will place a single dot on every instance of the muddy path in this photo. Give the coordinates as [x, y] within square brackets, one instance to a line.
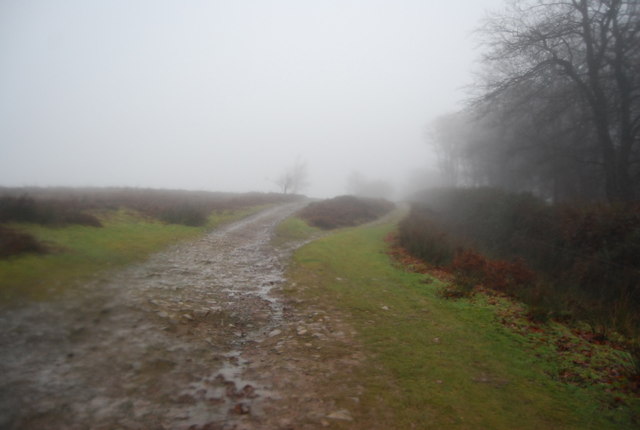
[196, 337]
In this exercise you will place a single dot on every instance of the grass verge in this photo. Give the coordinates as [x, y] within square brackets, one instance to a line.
[79, 252]
[431, 362]
[294, 229]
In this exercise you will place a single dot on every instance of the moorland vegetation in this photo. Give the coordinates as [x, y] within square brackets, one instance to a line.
[53, 238]
[577, 265]
[344, 211]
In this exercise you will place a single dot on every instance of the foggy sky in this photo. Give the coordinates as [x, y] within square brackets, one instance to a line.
[224, 95]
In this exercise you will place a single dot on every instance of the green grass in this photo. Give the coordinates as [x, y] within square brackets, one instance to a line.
[294, 229]
[80, 252]
[218, 218]
[434, 363]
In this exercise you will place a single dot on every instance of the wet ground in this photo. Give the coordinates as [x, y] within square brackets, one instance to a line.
[196, 337]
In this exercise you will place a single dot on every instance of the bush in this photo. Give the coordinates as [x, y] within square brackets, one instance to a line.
[493, 221]
[586, 258]
[19, 209]
[424, 237]
[470, 269]
[13, 243]
[344, 211]
[45, 212]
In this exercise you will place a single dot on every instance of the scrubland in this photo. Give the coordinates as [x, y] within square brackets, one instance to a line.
[52, 238]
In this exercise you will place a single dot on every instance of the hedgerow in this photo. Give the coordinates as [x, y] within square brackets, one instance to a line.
[583, 259]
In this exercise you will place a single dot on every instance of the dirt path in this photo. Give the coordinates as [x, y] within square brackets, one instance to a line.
[194, 338]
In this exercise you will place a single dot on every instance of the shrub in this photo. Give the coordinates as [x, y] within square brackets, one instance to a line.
[493, 221]
[468, 270]
[424, 237]
[471, 268]
[510, 277]
[20, 209]
[46, 212]
[603, 247]
[13, 243]
[586, 258]
[344, 211]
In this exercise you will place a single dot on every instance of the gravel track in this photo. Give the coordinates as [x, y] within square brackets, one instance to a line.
[186, 340]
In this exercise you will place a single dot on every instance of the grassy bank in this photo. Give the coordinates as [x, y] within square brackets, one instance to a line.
[78, 252]
[431, 362]
[294, 229]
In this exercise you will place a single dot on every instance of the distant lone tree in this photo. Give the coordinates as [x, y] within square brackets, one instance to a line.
[294, 178]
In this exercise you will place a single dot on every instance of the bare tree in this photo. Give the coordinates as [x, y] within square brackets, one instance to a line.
[587, 51]
[294, 178]
[449, 135]
[524, 143]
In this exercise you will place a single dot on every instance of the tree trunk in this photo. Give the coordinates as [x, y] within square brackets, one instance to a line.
[616, 160]
[624, 86]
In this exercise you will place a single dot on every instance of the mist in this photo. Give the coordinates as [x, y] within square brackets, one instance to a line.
[213, 95]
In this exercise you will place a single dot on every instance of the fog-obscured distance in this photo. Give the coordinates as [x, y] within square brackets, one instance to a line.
[226, 95]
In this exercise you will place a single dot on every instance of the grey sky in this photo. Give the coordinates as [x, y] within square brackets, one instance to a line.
[223, 95]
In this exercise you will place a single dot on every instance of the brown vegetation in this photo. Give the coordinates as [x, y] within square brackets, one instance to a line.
[13, 242]
[55, 207]
[580, 261]
[24, 208]
[577, 356]
[344, 211]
